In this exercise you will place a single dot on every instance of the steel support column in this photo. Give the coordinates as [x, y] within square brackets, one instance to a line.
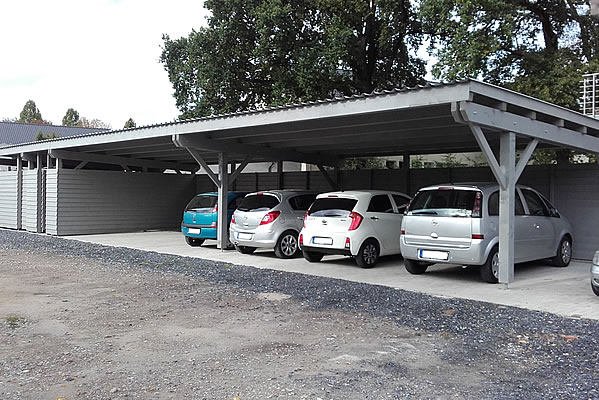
[222, 235]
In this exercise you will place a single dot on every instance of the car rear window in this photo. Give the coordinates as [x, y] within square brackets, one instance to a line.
[332, 207]
[201, 203]
[258, 202]
[444, 203]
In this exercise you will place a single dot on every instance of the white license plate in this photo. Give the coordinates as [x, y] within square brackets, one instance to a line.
[244, 236]
[434, 255]
[195, 231]
[322, 240]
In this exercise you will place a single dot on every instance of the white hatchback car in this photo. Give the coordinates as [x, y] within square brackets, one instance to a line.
[359, 224]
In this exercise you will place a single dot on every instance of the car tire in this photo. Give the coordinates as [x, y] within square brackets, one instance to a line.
[489, 271]
[415, 267]
[595, 289]
[194, 242]
[368, 255]
[312, 256]
[245, 249]
[286, 246]
[564, 253]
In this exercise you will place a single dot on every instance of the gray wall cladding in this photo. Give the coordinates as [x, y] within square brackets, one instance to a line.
[109, 202]
[8, 199]
[30, 200]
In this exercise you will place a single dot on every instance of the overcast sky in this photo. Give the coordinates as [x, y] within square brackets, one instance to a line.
[99, 57]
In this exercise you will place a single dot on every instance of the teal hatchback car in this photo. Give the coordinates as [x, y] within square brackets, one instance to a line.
[200, 216]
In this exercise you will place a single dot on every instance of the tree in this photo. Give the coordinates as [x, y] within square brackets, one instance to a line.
[94, 123]
[272, 52]
[41, 136]
[363, 163]
[537, 47]
[130, 124]
[31, 114]
[71, 118]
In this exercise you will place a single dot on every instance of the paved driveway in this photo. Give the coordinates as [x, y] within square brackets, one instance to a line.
[537, 286]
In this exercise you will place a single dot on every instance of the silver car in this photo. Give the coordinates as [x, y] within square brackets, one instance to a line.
[459, 224]
[595, 274]
[270, 220]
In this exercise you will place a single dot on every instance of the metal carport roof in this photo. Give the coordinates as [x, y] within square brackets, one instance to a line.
[417, 120]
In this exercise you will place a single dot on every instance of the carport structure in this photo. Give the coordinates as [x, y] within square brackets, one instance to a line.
[435, 118]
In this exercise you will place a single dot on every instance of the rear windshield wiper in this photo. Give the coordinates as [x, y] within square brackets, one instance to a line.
[424, 213]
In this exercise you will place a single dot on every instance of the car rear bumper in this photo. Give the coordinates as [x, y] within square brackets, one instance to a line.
[206, 232]
[337, 244]
[261, 239]
[473, 255]
[595, 275]
[323, 250]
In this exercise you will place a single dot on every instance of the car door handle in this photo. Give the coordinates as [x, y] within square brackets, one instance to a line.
[374, 218]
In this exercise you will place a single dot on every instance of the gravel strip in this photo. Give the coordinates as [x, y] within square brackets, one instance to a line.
[540, 355]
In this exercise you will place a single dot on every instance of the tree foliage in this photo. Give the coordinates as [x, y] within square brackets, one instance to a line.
[71, 118]
[537, 47]
[31, 114]
[41, 136]
[94, 123]
[272, 52]
[130, 124]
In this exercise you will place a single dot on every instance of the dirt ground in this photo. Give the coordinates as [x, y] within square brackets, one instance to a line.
[77, 328]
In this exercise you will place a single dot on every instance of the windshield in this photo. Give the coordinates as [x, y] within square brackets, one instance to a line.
[200, 203]
[332, 207]
[258, 202]
[444, 203]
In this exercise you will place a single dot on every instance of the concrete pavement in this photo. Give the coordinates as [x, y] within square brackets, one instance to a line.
[537, 286]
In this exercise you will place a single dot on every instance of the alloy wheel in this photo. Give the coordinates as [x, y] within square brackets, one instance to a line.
[289, 245]
[369, 254]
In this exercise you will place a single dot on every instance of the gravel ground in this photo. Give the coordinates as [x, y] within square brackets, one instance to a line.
[84, 321]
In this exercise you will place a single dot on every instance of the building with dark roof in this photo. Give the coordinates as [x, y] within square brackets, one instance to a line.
[12, 133]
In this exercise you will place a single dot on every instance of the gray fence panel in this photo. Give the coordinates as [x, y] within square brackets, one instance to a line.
[30, 200]
[576, 196]
[109, 202]
[8, 199]
[51, 201]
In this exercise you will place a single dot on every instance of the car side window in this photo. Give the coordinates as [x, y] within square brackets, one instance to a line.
[536, 206]
[552, 210]
[493, 204]
[401, 202]
[380, 203]
[302, 202]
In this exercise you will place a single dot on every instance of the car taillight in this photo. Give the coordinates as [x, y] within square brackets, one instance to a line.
[347, 243]
[270, 217]
[477, 236]
[233, 218]
[356, 220]
[301, 239]
[215, 208]
[476, 206]
[306, 216]
[403, 232]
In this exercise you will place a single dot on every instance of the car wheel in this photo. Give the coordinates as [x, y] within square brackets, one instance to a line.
[415, 267]
[595, 289]
[312, 256]
[286, 246]
[194, 242]
[368, 255]
[245, 249]
[564, 253]
[489, 271]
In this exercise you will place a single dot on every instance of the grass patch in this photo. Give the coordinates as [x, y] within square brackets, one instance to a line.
[14, 321]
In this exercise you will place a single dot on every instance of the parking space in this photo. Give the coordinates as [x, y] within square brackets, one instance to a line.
[538, 286]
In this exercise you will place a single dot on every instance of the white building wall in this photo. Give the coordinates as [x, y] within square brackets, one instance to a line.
[51, 201]
[8, 199]
[107, 201]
